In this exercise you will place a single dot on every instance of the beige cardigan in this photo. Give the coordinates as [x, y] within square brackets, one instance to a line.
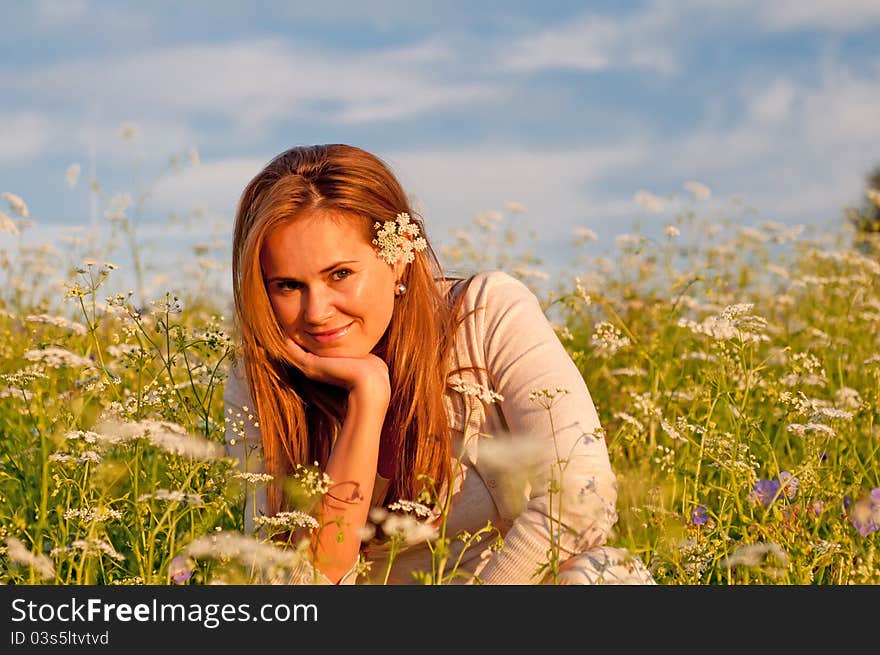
[505, 477]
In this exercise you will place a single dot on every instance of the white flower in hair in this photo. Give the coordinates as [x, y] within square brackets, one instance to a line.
[398, 239]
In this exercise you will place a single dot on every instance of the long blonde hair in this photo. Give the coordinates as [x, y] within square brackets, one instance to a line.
[298, 416]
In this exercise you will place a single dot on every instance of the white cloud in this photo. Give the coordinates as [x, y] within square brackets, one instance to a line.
[56, 12]
[773, 104]
[23, 135]
[254, 83]
[800, 152]
[32, 134]
[824, 15]
[559, 187]
[780, 15]
[594, 43]
[213, 187]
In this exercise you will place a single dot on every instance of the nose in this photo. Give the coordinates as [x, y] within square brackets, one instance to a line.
[318, 306]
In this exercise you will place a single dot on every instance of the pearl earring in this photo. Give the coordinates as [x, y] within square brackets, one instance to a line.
[400, 289]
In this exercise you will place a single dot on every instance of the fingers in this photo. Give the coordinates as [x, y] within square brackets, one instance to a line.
[315, 367]
[297, 355]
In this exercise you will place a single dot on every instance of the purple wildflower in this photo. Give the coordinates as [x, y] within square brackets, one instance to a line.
[765, 492]
[875, 495]
[862, 517]
[700, 515]
[817, 507]
[181, 569]
[789, 484]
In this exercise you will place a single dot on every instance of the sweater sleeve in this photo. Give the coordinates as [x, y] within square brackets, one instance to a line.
[523, 355]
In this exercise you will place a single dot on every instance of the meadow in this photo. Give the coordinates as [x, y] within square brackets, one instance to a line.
[735, 366]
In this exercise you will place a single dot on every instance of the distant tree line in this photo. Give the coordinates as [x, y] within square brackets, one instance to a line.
[866, 217]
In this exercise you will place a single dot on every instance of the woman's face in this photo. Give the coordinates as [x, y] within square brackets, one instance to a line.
[329, 290]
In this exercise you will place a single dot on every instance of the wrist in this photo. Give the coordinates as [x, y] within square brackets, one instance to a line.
[370, 394]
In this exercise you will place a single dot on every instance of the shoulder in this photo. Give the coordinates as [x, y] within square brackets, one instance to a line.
[496, 308]
[495, 288]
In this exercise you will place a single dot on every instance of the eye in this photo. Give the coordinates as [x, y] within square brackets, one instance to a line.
[341, 273]
[287, 285]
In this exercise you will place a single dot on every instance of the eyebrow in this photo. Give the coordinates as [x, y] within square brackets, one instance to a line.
[285, 278]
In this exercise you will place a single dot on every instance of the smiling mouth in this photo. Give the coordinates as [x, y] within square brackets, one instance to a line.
[332, 335]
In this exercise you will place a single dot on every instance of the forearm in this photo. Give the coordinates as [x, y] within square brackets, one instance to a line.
[352, 468]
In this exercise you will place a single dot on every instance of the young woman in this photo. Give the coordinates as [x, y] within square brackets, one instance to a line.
[359, 355]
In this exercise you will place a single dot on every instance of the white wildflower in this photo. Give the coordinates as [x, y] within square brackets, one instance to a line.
[581, 292]
[826, 413]
[16, 204]
[19, 553]
[19, 394]
[125, 350]
[562, 332]
[734, 322]
[804, 429]
[698, 354]
[210, 264]
[585, 234]
[174, 496]
[89, 456]
[410, 506]
[408, 528]
[770, 558]
[86, 435]
[398, 240]
[607, 339]
[57, 358]
[488, 218]
[648, 201]
[97, 547]
[644, 405]
[93, 514]
[847, 398]
[672, 231]
[167, 436]
[531, 273]
[699, 190]
[630, 419]
[671, 430]
[775, 269]
[7, 225]
[57, 321]
[312, 479]
[803, 405]
[71, 176]
[249, 551]
[128, 131]
[547, 397]
[628, 372]
[288, 521]
[751, 234]
[480, 391]
[117, 207]
[253, 478]
[624, 241]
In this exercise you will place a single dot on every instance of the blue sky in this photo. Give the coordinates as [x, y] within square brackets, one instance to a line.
[570, 108]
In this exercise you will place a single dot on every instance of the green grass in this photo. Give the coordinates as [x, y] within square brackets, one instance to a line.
[721, 359]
